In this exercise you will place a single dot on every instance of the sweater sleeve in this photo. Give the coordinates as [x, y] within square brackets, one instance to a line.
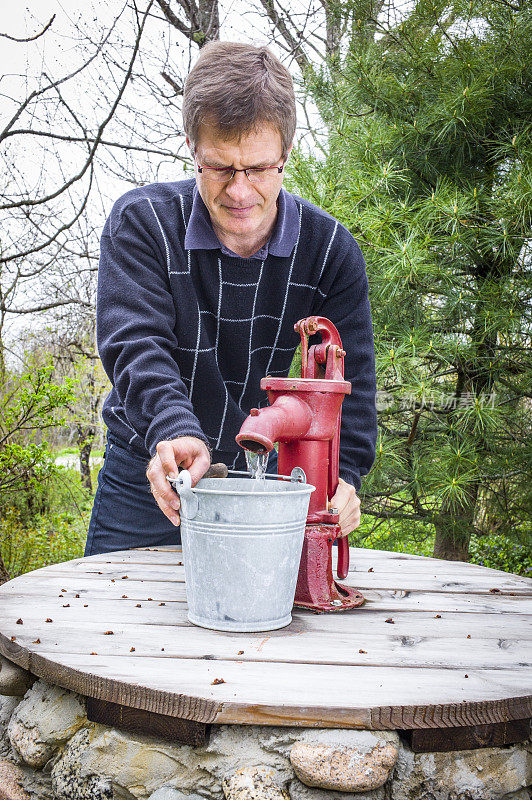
[136, 331]
[346, 304]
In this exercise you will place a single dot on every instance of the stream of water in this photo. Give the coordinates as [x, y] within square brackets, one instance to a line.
[257, 463]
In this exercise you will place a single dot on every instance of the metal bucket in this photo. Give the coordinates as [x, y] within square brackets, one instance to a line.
[242, 542]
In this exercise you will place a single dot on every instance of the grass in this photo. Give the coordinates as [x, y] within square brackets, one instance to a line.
[72, 450]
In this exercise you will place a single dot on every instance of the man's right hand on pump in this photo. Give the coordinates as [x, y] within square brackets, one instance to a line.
[186, 452]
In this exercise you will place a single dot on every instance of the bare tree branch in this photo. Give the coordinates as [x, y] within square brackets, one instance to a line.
[42, 307]
[104, 142]
[30, 38]
[292, 40]
[98, 137]
[175, 86]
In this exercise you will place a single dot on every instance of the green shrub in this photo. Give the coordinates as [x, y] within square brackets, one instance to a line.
[51, 540]
[47, 527]
[501, 552]
[510, 554]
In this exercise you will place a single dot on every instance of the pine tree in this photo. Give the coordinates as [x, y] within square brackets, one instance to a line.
[429, 164]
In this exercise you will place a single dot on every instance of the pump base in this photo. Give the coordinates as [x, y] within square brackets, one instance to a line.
[316, 590]
[350, 598]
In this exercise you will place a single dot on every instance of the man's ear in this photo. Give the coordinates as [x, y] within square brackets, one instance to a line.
[189, 145]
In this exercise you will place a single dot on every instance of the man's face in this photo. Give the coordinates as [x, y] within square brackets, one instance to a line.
[239, 209]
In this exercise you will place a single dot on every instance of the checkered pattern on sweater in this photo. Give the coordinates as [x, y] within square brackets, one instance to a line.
[185, 336]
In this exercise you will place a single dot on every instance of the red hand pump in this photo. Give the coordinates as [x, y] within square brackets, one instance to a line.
[304, 418]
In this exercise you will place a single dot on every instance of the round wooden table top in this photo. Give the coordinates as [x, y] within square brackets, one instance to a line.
[437, 644]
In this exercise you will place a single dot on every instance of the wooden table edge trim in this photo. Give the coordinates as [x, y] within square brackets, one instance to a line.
[75, 680]
[209, 711]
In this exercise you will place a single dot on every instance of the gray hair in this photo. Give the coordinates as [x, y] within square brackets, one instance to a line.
[238, 87]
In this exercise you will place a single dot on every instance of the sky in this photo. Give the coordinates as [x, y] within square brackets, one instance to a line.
[57, 53]
[27, 19]
[24, 20]
[62, 48]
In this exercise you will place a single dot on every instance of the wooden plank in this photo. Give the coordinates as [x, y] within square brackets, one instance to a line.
[464, 582]
[446, 740]
[399, 567]
[304, 647]
[161, 554]
[383, 599]
[401, 561]
[429, 574]
[381, 562]
[98, 609]
[80, 582]
[136, 720]
[430, 566]
[361, 559]
[252, 681]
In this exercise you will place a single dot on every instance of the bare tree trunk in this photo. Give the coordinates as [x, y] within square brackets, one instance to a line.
[201, 23]
[454, 527]
[447, 544]
[4, 574]
[333, 28]
[87, 432]
[85, 440]
[209, 20]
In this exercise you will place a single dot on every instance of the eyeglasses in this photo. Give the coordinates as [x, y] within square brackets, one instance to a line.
[253, 174]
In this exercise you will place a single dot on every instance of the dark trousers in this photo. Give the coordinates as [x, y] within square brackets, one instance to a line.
[124, 513]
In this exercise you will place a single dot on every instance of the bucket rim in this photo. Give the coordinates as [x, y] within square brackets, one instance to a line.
[299, 488]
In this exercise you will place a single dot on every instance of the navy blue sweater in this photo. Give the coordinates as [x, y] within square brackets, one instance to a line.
[186, 335]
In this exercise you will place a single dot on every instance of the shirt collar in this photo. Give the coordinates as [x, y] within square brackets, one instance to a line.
[200, 234]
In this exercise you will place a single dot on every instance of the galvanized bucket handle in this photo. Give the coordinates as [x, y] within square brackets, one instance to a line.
[189, 501]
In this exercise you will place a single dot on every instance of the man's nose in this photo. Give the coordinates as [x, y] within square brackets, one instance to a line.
[239, 187]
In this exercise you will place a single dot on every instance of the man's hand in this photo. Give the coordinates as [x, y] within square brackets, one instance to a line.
[347, 502]
[187, 452]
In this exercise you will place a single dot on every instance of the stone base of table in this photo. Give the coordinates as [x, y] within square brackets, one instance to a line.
[420, 740]
[51, 751]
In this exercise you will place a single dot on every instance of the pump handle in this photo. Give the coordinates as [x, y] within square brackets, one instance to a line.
[342, 567]
[326, 360]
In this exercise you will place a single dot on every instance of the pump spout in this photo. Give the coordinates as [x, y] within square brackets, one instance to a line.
[288, 418]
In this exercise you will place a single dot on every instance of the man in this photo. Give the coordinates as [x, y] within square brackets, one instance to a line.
[200, 284]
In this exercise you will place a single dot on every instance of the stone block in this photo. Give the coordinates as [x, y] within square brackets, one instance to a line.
[298, 791]
[37, 783]
[45, 719]
[135, 766]
[70, 782]
[7, 706]
[346, 761]
[254, 783]
[14, 681]
[118, 765]
[495, 773]
[140, 765]
[10, 778]
[167, 793]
